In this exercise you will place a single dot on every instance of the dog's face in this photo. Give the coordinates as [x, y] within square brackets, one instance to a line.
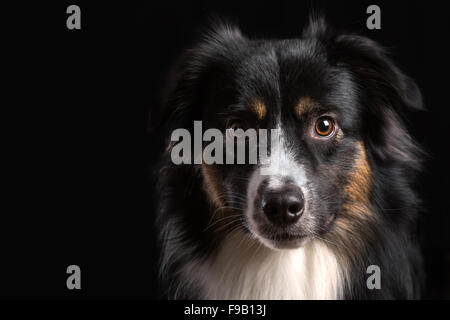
[288, 85]
[335, 116]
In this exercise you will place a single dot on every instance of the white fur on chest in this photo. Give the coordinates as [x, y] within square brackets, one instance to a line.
[245, 269]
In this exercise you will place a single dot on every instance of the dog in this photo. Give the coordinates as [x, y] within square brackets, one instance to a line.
[341, 198]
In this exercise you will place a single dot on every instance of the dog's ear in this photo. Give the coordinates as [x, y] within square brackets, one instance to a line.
[371, 64]
[387, 97]
[195, 70]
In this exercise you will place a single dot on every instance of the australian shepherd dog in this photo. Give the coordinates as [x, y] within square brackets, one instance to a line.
[340, 202]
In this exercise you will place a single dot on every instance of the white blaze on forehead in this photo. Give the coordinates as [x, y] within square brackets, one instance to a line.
[282, 165]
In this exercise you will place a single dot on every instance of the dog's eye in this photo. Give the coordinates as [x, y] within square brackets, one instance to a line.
[325, 126]
[237, 124]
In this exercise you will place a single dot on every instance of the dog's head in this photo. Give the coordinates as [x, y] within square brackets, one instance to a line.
[338, 102]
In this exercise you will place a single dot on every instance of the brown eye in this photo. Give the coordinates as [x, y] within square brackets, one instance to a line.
[325, 126]
[237, 124]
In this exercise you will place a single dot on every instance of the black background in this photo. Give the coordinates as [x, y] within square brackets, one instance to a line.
[80, 190]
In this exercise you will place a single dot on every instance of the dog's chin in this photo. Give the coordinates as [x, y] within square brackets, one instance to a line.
[282, 241]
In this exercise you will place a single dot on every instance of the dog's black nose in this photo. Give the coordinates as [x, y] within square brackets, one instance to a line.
[284, 205]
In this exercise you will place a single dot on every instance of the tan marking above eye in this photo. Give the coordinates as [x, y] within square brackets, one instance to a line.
[259, 108]
[304, 105]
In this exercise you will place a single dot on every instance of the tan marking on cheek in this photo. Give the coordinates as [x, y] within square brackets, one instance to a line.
[304, 105]
[259, 108]
[353, 224]
[212, 184]
[216, 193]
[359, 184]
